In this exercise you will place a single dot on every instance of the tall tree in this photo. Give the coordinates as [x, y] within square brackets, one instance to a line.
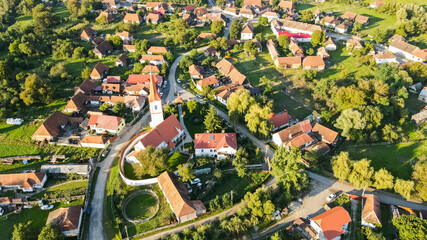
[352, 122]
[404, 187]
[250, 48]
[235, 29]
[50, 232]
[410, 227]
[341, 166]
[186, 173]
[318, 38]
[240, 160]
[212, 121]
[419, 175]
[361, 174]
[238, 104]
[383, 179]
[153, 161]
[258, 121]
[217, 27]
[23, 231]
[287, 169]
[35, 90]
[283, 41]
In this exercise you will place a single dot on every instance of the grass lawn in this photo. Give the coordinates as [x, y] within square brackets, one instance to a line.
[395, 157]
[64, 188]
[387, 227]
[239, 185]
[141, 206]
[283, 101]
[37, 217]
[194, 127]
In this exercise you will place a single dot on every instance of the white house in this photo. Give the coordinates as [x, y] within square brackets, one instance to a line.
[296, 135]
[371, 211]
[80, 169]
[331, 224]
[153, 59]
[330, 45]
[106, 124]
[299, 30]
[26, 182]
[423, 95]
[247, 31]
[408, 51]
[385, 57]
[271, 16]
[67, 219]
[342, 28]
[167, 134]
[217, 145]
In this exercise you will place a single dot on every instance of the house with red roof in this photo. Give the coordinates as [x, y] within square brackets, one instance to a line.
[165, 135]
[67, 219]
[331, 224]
[144, 79]
[217, 145]
[280, 120]
[26, 182]
[133, 18]
[371, 211]
[298, 135]
[106, 124]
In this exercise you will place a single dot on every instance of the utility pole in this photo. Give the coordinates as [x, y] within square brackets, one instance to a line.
[231, 197]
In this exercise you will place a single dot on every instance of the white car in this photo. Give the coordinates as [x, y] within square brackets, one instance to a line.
[195, 181]
[46, 207]
[27, 206]
[331, 197]
[179, 81]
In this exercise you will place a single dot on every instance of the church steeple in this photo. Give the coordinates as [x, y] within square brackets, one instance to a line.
[154, 95]
[155, 102]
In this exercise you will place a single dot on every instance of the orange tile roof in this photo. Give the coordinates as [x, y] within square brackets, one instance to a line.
[248, 28]
[361, 19]
[404, 46]
[87, 33]
[294, 130]
[152, 16]
[236, 77]
[105, 122]
[52, 125]
[177, 195]
[153, 4]
[331, 222]
[215, 140]
[286, 5]
[132, 17]
[349, 15]
[384, 55]
[144, 79]
[94, 139]
[207, 81]
[300, 140]
[329, 42]
[420, 53]
[124, 34]
[154, 95]
[323, 52]
[151, 68]
[326, 133]
[225, 66]
[206, 35]
[280, 119]
[195, 70]
[66, 219]
[313, 61]
[371, 211]
[25, 180]
[149, 57]
[257, 3]
[157, 50]
[99, 70]
[164, 132]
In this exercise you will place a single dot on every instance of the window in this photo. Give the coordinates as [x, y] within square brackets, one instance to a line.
[202, 150]
[155, 107]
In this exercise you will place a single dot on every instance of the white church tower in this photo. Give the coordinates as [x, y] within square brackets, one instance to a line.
[155, 101]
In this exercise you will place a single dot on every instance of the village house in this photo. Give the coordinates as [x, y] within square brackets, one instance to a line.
[323, 53]
[247, 12]
[376, 4]
[196, 72]
[341, 28]
[153, 59]
[129, 48]
[247, 31]
[330, 21]
[53, 125]
[420, 117]
[144, 79]
[27, 182]
[295, 48]
[153, 18]
[282, 62]
[331, 224]
[231, 11]
[313, 63]
[385, 57]
[353, 43]
[211, 17]
[226, 68]
[286, 5]
[132, 18]
[325, 134]
[76, 104]
[150, 69]
[349, 16]
[330, 45]
[205, 35]
[296, 135]
[99, 71]
[153, 6]
[157, 50]
[95, 141]
[67, 219]
[76, 168]
[217, 145]
[108, 16]
[207, 82]
[397, 37]
[253, 3]
[176, 195]
[110, 89]
[87, 34]
[258, 44]
[166, 134]
[271, 15]
[408, 51]
[211, 52]
[103, 49]
[137, 90]
[189, 9]
[121, 60]
[224, 93]
[109, 4]
[125, 36]
[300, 31]
[362, 19]
[371, 211]
[106, 124]
[86, 87]
[423, 95]
[280, 120]
[200, 11]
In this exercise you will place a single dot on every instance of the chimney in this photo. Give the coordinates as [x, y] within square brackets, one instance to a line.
[207, 131]
[223, 130]
[290, 135]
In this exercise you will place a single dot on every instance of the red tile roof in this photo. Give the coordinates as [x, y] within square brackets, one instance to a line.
[149, 57]
[165, 131]
[371, 211]
[154, 95]
[157, 50]
[66, 219]
[207, 81]
[114, 79]
[327, 134]
[279, 120]
[105, 122]
[132, 17]
[143, 78]
[313, 61]
[215, 140]
[295, 130]
[94, 139]
[300, 140]
[151, 68]
[25, 180]
[331, 222]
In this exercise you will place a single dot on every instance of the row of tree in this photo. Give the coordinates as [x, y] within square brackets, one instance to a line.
[362, 175]
[25, 231]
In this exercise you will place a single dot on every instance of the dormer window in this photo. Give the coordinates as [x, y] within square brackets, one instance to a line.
[211, 137]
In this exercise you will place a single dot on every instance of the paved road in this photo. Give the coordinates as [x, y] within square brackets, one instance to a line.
[96, 229]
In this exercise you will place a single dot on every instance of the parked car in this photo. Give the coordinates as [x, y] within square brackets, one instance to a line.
[331, 197]
[179, 81]
[46, 207]
[88, 209]
[200, 96]
[27, 206]
[195, 181]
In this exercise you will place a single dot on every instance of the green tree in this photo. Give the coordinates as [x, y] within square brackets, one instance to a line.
[235, 29]
[50, 232]
[86, 73]
[401, 15]
[383, 179]
[116, 42]
[44, 19]
[391, 133]
[410, 227]
[307, 16]
[371, 235]
[341, 166]
[287, 169]
[419, 175]
[283, 41]
[250, 48]
[212, 121]
[404, 187]
[240, 161]
[153, 161]
[104, 107]
[23, 231]
[351, 121]
[192, 105]
[35, 90]
[362, 173]
[217, 27]
[185, 172]
[79, 52]
[257, 120]
[318, 38]
[102, 20]
[267, 84]
[238, 104]
[142, 46]
[119, 108]
[263, 20]
[220, 3]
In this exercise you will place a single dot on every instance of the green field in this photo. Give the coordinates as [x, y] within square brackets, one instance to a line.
[395, 157]
[141, 206]
[63, 188]
[283, 101]
[37, 217]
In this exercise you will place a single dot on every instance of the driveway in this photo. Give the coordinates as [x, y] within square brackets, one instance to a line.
[96, 230]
